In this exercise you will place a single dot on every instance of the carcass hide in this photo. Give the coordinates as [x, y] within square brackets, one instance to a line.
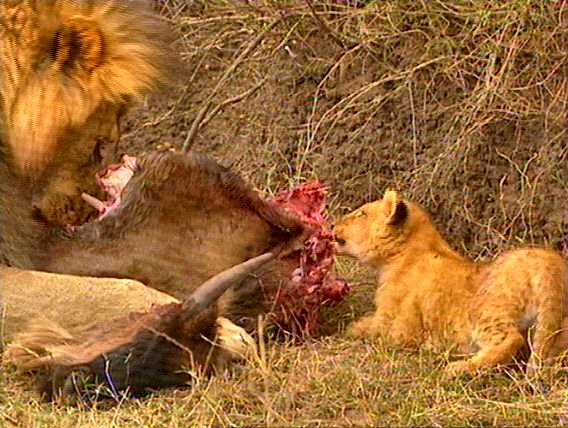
[181, 220]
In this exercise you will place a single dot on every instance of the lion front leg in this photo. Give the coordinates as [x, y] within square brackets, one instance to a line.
[404, 331]
[366, 327]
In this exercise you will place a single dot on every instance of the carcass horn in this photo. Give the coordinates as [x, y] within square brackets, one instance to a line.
[214, 287]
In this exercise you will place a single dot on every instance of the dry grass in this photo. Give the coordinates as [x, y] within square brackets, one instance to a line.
[331, 381]
[328, 381]
[461, 104]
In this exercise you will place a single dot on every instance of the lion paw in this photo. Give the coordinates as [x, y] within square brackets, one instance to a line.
[362, 328]
[64, 210]
[460, 367]
[234, 339]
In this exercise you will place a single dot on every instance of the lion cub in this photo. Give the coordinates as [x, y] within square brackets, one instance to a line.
[429, 295]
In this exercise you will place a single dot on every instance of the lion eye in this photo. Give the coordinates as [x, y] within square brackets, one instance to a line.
[360, 214]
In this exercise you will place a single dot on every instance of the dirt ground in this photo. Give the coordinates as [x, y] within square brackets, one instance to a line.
[364, 118]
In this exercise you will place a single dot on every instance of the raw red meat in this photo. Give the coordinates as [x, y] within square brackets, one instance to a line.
[312, 284]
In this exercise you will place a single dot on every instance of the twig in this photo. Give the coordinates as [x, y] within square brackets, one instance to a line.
[233, 100]
[198, 121]
[168, 113]
[324, 25]
[10, 419]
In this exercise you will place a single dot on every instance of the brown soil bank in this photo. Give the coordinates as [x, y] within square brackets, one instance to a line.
[460, 105]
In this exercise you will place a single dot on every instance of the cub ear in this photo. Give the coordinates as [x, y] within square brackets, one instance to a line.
[78, 44]
[395, 208]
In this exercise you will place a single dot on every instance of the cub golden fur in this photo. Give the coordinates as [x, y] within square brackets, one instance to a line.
[429, 295]
[68, 70]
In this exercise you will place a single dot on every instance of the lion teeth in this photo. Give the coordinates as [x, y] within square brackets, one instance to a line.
[92, 201]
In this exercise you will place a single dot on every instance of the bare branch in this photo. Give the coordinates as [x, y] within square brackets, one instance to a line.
[198, 121]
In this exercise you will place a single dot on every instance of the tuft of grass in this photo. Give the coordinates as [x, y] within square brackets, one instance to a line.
[331, 381]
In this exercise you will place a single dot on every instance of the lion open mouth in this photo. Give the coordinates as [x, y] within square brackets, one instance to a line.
[112, 179]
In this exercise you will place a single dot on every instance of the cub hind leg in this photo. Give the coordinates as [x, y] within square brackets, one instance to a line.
[549, 338]
[499, 342]
[521, 289]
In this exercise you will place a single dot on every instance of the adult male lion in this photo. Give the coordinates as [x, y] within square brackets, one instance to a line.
[430, 295]
[68, 71]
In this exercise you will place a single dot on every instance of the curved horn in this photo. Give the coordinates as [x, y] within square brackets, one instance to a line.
[214, 287]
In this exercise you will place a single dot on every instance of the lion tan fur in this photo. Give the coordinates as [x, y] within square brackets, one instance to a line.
[69, 69]
[429, 295]
[52, 328]
[71, 302]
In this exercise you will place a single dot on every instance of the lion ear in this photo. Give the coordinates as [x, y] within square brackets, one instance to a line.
[78, 44]
[395, 208]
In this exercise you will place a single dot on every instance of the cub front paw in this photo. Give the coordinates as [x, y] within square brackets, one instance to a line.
[362, 328]
[460, 367]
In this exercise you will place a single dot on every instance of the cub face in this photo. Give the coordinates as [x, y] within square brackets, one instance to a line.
[375, 231]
